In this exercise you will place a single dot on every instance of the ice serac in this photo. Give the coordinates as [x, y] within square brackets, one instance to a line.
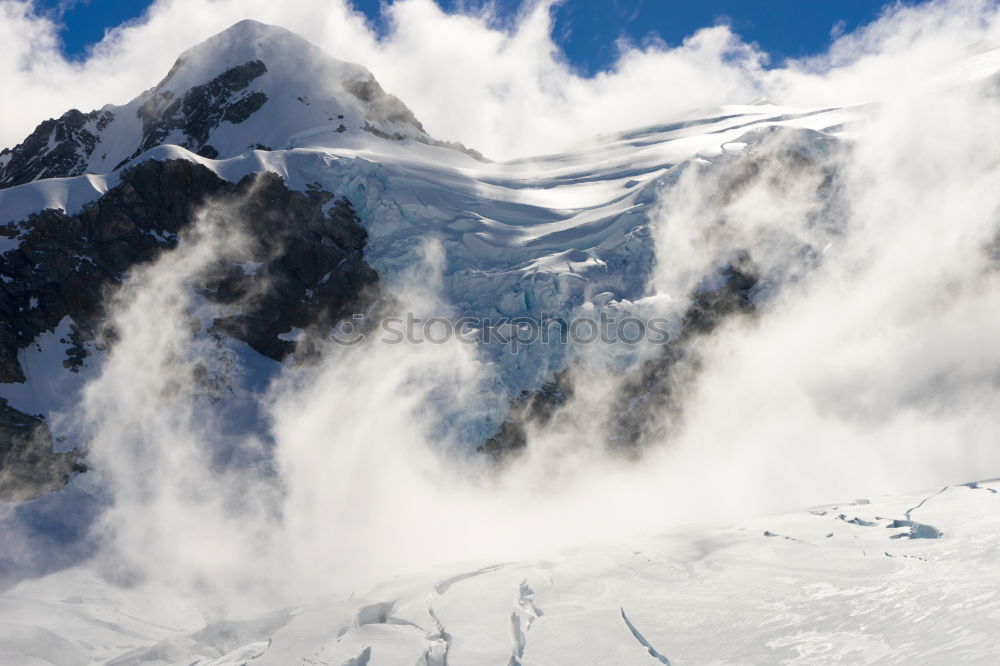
[253, 86]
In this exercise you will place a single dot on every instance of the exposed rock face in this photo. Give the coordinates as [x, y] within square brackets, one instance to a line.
[63, 147]
[312, 262]
[201, 109]
[64, 263]
[28, 466]
[529, 407]
[650, 402]
[311, 268]
[310, 272]
[58, 147]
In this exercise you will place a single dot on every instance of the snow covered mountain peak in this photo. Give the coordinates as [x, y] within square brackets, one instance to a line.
[307, 88]
[251, 87]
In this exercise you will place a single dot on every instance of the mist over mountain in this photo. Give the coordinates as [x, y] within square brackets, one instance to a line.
[288, 375]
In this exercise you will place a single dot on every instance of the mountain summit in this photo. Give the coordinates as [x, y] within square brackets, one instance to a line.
[251, 87]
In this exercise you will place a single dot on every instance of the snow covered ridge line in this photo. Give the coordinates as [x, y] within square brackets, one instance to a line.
[252, 87]
[547, 328]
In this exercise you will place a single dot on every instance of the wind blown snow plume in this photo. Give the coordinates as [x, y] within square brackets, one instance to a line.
[150, 414]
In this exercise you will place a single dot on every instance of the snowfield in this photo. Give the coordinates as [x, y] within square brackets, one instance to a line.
[846, 583]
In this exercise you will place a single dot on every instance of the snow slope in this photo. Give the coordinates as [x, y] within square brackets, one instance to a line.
[834, 584]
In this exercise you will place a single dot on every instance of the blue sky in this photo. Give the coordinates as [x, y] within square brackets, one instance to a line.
[587, 29]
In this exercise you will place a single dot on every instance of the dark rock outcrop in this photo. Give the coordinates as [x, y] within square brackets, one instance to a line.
[28, 466]
[63, 146]
[200, 109]
[58, 147]
[311, 271]
[64, 262]
[534, 408]
[650, 402]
